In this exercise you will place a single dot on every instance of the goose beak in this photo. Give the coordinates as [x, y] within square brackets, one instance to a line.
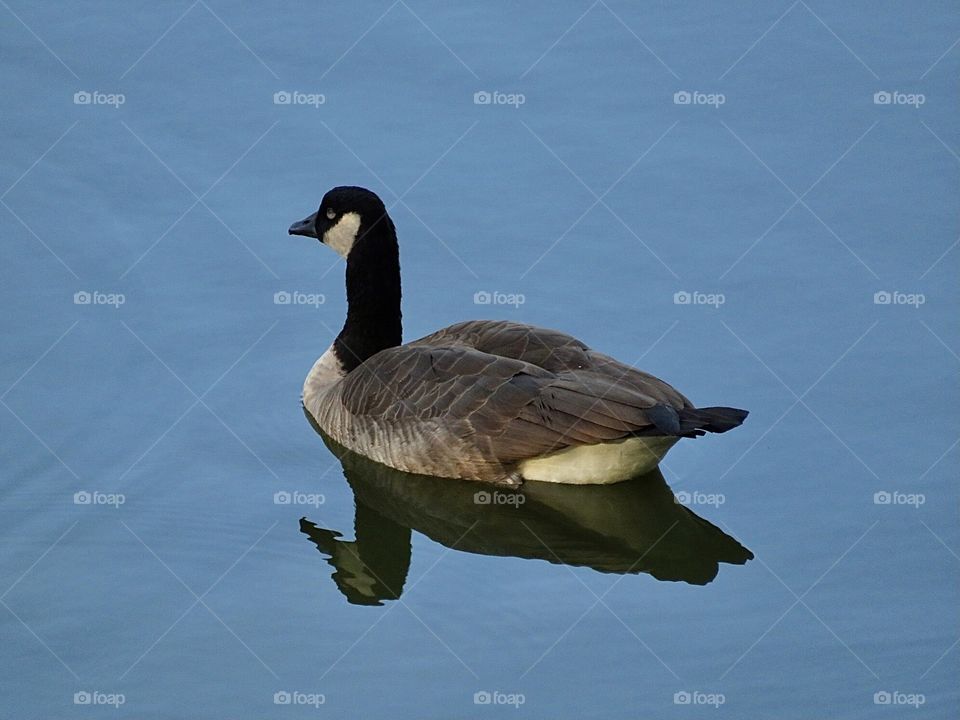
[306, 227]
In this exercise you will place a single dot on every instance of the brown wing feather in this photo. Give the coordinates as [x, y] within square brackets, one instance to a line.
[519, 391]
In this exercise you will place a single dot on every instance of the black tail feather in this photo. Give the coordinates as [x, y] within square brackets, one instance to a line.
[690, 422]
[696, 421]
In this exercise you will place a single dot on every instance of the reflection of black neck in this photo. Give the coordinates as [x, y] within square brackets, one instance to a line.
[373, 295]
[374, 566]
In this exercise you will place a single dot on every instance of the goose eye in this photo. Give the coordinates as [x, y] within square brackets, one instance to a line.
[331, 213]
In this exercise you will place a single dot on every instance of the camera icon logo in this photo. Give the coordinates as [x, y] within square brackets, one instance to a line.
[882, 297]
[882, 98]
[82, 698]
[682, 97]
[282, 97]
[682, 697]
[282, 697]
[681, 298]
[482, 297]
[282, 498]
[481, 497]
[682, 497]
[482, 97]
[82, 498]
[282, 297]
[882, 498]
[482, 697]
[881, 697]
[82, 298]
[82, 97]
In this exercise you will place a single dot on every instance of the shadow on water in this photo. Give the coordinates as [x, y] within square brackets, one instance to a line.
[631, 527]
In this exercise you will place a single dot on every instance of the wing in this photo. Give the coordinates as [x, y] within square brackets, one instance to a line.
[511, 391]
[553, 351]
[458, 384]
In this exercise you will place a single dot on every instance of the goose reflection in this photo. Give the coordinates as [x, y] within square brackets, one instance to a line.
[631, 527]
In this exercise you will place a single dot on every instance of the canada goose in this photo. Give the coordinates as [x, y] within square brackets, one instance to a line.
[484, 400]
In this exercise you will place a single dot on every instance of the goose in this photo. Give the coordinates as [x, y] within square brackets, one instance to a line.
[487, 400]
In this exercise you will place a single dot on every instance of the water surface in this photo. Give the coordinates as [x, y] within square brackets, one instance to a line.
[791, 251]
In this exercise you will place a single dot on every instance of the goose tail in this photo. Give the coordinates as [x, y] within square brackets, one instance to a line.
[697, 421]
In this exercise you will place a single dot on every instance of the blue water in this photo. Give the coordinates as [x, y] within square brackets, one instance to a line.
[171, 398]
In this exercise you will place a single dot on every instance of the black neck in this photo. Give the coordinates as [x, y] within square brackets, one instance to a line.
[373, 295]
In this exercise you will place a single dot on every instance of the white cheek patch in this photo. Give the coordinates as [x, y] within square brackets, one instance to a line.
[343, 235]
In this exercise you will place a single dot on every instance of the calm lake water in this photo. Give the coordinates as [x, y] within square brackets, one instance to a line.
[756, 203]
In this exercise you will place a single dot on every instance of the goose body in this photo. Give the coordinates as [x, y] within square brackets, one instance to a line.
[484, 400]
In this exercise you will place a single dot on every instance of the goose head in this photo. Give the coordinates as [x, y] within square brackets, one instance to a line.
[354, 222]
[346, 214]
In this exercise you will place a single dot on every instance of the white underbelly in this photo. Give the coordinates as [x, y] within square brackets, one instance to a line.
[601, 464]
